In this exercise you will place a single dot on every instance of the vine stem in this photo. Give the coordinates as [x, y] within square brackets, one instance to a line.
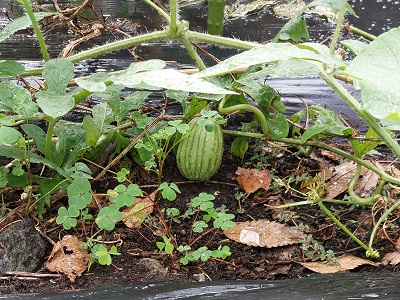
[35, 25]
[318, 144]
[159, 10]
[381, 219]
[356, 106]
[339, 25]
[174, 15]
[346, 230]
[199, 37]
[258, 113]
[192, 52]
[49, 136]
[110, 47]
[358, 31]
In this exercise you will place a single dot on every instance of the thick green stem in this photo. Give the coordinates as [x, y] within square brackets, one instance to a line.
[199, 37]
[344, 228]
[174, 15]
[360, 32]
[49, 136]
[339, 25]
[258, 113]
[192, 53]
[159, 10]
[110, 47]
[36, 28]
[355, 105]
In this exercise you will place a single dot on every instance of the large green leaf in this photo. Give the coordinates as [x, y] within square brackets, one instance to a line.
[102, 115]
[296, 29]
[58, 73]
[71, 142]
[377, 69]
[120, 108]
[53, 104]
[325, 121]
[37, 134]
[14, 152]
[20, 23]
[9, 135]
[94, 127]
[272, 52]
[16, 99]
[168, 79]
[95, 82]
[148, 65]
[92, 131]
[354, 46]
[10, 68]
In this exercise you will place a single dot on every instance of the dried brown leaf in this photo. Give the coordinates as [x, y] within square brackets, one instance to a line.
[330, 155]
[252, 179]
[392, 258]
[368, 182]
[397, 245]
[68, 257]
[345, 263]
[134, 215]
[263, 233]
[341, 177]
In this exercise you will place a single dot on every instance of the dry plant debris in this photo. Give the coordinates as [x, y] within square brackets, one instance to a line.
[134, 215]
[345, 263]
[392, 258]
[263, 233]
[250, 180]
[339, 181]
[68, 257]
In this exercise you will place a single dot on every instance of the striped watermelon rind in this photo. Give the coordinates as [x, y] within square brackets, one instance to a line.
[199, 155]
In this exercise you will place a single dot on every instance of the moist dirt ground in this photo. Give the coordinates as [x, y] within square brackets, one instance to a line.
[141, 261]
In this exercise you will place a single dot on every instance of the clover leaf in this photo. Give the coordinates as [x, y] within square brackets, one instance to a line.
[108, 216]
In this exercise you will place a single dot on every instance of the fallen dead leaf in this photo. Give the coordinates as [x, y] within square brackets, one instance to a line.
[341, 177]
[134, 215]
[263, 233]
[282, 270]
[397, 245]
[345, 263]
[330, 155]
[368, 182]
[68, 257]
[392, 258]
[252, 179]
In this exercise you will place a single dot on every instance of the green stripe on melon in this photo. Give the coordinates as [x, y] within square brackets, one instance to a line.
[199, 155]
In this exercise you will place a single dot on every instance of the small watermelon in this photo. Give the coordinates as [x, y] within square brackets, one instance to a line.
[199, 155]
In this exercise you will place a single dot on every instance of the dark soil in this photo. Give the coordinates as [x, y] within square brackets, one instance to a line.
[141, 261]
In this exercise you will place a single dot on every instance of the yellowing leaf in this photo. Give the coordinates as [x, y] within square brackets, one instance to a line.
[252, 179]
[263, 233]
[345, 263]
[68, 257]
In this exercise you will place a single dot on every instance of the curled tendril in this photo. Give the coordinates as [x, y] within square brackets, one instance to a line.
[372, 253]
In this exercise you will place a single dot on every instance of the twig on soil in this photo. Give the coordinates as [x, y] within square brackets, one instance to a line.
[28, 275]
[129, 147]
